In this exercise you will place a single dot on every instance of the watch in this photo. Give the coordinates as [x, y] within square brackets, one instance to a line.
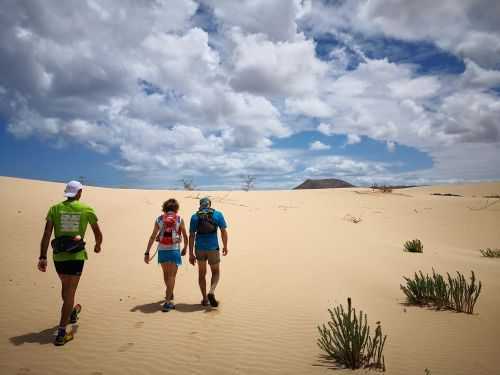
[42, 257]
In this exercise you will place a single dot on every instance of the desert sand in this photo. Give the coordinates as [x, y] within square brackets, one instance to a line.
[293, 255]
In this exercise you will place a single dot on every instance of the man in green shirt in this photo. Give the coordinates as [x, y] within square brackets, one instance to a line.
[69, 220]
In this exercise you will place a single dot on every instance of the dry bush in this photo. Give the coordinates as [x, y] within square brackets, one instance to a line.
[490, 253]
[382, 188]
[414, 246]
[187, 184]
[352, 219]
[248, 183]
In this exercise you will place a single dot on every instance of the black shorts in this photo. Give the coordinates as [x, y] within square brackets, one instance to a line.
[70, 267]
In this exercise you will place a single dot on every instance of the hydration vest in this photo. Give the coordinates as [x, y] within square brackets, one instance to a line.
[169, 231]
[206, 222]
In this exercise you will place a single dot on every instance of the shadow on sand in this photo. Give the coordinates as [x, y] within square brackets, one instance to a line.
[153, 307]
[43, 337]
[326, 362]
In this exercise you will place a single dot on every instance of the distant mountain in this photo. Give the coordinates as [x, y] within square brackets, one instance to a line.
[327, 183]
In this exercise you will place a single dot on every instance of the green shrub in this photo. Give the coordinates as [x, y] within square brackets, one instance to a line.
[424, 290]
[490, 253]
[453, 293]
[346, 339]
[414, 246]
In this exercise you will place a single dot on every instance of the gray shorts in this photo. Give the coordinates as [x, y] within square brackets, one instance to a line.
[212, 256]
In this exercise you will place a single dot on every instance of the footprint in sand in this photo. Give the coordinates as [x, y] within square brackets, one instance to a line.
[125, 347]
[97, 373]
[23, 371]
[138, 324]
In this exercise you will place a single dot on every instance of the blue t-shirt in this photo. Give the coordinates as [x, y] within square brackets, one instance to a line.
[207, 241]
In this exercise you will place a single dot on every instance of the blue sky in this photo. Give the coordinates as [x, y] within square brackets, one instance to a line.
[144, 95]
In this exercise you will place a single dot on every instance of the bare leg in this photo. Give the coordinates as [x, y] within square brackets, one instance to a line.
[165, 278]
[202, 272]
[68, 290]
[215, 277]
[169, 274]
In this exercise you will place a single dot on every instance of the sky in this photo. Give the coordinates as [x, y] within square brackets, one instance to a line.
[129, 93]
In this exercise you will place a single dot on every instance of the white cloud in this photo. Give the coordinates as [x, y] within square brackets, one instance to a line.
[318, 146]
[309, 106]
[138, 77]
[353, 139]
[326, 129]
[343, 167]
[284, 68]
[467, 28]
[416, 88]
[276, 19]
[391, 146]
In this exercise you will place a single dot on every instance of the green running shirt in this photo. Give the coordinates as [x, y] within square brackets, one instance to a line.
[70, 218]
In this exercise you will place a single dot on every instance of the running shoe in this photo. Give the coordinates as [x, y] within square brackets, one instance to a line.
[167, 306]
[63, 339]
[74, 314]
[212, 300]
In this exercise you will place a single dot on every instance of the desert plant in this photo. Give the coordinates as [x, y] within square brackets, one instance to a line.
[382, 188]
[187, 184]
[463, 296]
[248, 183]
[386, 189]
[452, 293]
[346, 339]
[417, 289]
[490, 253]
[352, 219]
[414, 246]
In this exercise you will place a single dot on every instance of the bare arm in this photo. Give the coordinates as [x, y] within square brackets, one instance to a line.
[185, 237]
[98, 237]
[192, 258]
[44, 245]
[223, 233]
[151, 241]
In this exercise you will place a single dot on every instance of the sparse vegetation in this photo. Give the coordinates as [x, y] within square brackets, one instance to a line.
[352, 219]
[382, 188]
[414, 246]
[346, 339]
[490, 253]
[453, 293]
[248, 183]
[187, 184]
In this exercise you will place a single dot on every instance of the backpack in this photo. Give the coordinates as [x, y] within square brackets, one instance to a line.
[169, 232]
[206, 222]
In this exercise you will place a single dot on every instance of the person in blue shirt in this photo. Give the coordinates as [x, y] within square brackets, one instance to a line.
[204, 247]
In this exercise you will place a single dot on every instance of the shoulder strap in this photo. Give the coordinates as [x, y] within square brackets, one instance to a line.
[209, 211]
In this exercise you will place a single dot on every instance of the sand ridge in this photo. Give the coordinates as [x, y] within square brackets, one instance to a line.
[292, 255]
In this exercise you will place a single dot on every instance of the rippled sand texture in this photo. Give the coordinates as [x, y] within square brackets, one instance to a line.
[293, 254]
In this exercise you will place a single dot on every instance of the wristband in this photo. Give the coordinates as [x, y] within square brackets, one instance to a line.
[146, 253]
[42, 257]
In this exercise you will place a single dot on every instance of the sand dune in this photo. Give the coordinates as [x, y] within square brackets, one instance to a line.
[293, 254]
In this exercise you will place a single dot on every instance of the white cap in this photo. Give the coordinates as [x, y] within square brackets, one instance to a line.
[72, 189]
